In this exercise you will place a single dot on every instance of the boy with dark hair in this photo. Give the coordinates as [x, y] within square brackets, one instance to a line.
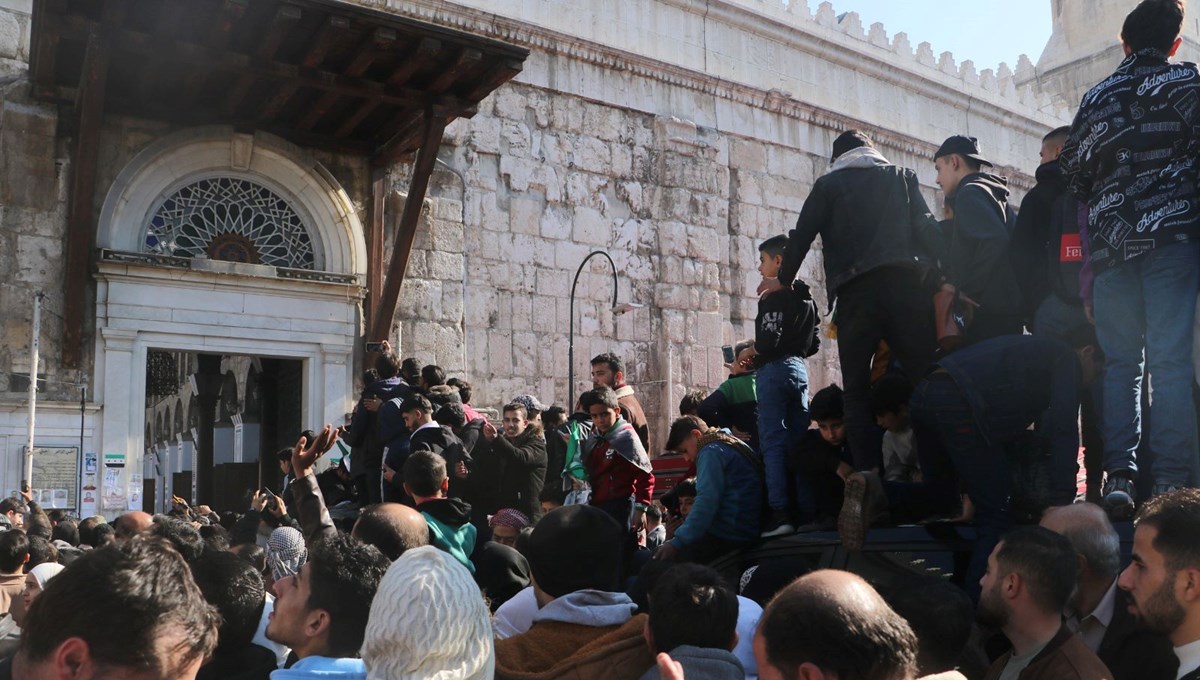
[693, 617]
[656, 532]
[618, 469]
[690, 404]
[889, 401]
[680, 500]
[734, 404]
[450, 528]
[822, 460]
[321, 612]
[432, 376]
[608, 370]
[522, 452]
[728, 510]
[785, 332]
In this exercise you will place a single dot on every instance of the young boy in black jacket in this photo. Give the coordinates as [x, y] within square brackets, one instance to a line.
[785, 332]
[822, 460]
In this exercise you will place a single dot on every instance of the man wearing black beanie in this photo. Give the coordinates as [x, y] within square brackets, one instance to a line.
[584, 628]
[880, 240]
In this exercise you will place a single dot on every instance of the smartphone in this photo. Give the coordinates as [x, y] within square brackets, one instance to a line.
[374, 347]
[727, 353]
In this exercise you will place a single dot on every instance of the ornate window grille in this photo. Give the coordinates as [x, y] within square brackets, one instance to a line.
[231, 219]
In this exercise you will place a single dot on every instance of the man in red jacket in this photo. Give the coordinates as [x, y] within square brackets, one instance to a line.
[617, 465]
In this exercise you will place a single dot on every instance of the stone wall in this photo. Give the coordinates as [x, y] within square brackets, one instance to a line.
[659, 141]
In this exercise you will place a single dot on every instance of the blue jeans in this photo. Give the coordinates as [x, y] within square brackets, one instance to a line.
[1147, 305]
[782, 418]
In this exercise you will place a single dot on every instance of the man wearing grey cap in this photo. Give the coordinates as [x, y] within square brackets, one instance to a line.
[976, 261]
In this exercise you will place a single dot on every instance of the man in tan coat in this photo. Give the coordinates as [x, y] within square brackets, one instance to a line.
[14, 553]
[584, 628]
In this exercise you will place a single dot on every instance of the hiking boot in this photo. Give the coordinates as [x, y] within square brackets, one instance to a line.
[1119, 495]
[779, 525]
[864, 502]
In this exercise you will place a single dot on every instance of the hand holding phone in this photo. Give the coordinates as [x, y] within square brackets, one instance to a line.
[727, 354]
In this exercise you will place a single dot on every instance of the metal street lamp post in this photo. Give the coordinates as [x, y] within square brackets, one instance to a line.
[617, 310]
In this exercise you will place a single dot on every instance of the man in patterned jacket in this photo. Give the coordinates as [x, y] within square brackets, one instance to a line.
[1132, 156]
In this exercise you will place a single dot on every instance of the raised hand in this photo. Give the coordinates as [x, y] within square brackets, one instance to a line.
[306, 453]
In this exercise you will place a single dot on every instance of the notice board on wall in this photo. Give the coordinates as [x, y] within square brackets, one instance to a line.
[55, 481]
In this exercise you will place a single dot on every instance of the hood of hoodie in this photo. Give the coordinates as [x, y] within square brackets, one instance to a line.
[996, 185]
[595, 608]
[1050, 172]
[323, 667]
[862, 157]
[389, 388]
[453, 512]
[705, 663]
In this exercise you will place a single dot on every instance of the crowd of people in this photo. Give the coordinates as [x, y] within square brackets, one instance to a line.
[977, 354]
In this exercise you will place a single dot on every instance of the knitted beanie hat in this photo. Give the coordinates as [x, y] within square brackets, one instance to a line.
[286, 552]
[428, 622]
[508, 517]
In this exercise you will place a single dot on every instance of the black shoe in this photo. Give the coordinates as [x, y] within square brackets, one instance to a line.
[779, 525]
[1119, 496]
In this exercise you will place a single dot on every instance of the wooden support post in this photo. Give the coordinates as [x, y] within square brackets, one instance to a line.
[406, 231]
[375, 230]
[81, 228]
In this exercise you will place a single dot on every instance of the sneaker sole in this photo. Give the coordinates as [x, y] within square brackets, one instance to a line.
[1119, 510]
[781, 530]
[852, 520]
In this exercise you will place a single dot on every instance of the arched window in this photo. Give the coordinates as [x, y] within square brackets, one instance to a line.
[232, 219]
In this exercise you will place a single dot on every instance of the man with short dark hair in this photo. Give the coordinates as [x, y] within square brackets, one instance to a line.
[1164, 578]
[423, 434]
[235, 588]
[608, 370]
[693, 617]
[321, 612]
[618, 469]
[183, 536]
[1024, 593]
[98, 619]
[14, 553]
[14, 510]
[585, 626]
[977, 263]
[449, 519]
[879, 239]
[1099, 610]
[521, 455]
[832, 625]
[1132, 156]
[728, 510]
[432, 376]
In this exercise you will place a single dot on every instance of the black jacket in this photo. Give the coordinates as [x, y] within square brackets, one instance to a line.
[869, 213]
[977, 259]
[1131, 651]
[524, 471]
[1032, 235]
[787, 325]
[439, 440]
[364, 425]
[1131, 156]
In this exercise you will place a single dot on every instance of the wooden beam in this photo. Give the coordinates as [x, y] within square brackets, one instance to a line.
[220, 33]
[467, 59]
[351, 124]
[81, 229]
[381, 39]
[331, 32]
[282, 23]
[375, 228]
[406, 231]
[499, 74]
[155, 71]
[44, 53]
[424, 55]
[275, 104]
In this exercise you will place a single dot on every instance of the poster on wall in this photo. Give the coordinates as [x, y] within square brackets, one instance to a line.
[55, 476]
[89, 501]
[135, 492]
[114, 487]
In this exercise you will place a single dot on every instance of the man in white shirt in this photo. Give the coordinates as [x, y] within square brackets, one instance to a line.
[1164, 578]
[1099, 610]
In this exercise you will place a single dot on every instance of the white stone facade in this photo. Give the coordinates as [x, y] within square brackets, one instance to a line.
[674, 134]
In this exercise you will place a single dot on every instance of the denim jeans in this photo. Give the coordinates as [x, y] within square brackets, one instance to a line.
[887, 303]
[782, 418]
[1145, 312]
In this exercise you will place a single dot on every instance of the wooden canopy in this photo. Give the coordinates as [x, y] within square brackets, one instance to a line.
[321, 73]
